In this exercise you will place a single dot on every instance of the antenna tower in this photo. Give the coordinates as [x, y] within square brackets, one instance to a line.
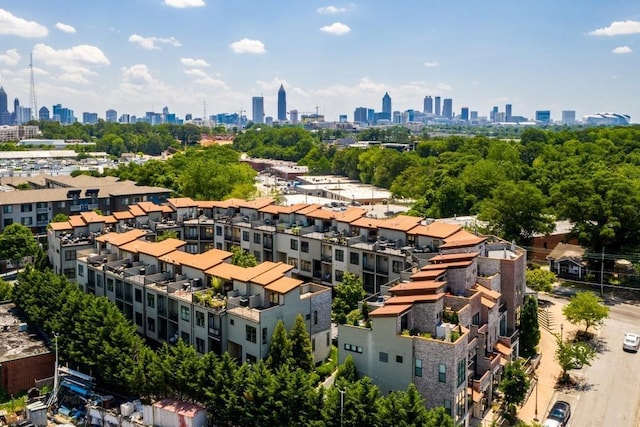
[32, 91]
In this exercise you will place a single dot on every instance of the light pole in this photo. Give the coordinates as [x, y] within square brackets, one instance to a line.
[535, 418]
[561, 331]
[341, 406]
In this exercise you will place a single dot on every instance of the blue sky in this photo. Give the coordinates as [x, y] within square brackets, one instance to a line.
[141, 55]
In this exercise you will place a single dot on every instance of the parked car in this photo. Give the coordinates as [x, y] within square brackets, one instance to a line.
[631, 342]
[558, 415]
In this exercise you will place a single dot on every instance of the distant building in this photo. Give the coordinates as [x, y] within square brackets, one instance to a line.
[111, 116]
[507, 113]
[437, 105]
[607, 119]
[63, 115]
[447, 108]
[342, 118]
[257, 104]
[543, 116]
[22, 115]
[125, 119]
[568, 117]
[464, 114]
[360, 115]
[268, 121]
[493, 114]
[428, 105]
[293, 116]
[282, 104]
[89, 118]
[16, 133]
[43, 114]
[386, 104]
[5, 115]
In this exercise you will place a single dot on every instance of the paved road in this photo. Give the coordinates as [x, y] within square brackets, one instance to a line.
[610, 390]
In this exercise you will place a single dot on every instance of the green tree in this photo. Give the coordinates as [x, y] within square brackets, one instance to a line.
[406, 408]
[347, 295]
[60, 218]
[529, 328]
[540, 280]
[242, 258]
[280, 352]
[514, 384]
[585, 307]
[167, 234]
[571, 355]
[301, 345]
[516, 211]
[5, 290]
[347, 371]
[17, 242]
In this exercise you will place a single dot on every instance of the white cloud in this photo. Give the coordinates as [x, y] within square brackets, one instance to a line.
[331, 10]
[10, 57]
[195, 72]
[13, 26]
[618, 28]
[65, 28]
[431, 64]
[191, 62]
[137, 75]
[622, 50]
[211, 82]
[81, 54]
[181, 4]
[149, 43]
[336, 28]
[247, 46]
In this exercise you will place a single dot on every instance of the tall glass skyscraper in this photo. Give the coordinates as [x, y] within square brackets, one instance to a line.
[386, 105]
[5, 116]
[437, 105]
[428, 105]
[257, 103]
[282, 104]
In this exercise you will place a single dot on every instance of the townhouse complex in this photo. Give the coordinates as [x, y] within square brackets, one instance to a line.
[443, 302]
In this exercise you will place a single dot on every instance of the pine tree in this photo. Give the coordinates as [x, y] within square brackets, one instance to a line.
[529, 328]
[280, 349]
[301, 345]
[347, 371]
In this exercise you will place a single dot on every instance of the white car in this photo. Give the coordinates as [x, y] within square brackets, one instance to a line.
[631, 342]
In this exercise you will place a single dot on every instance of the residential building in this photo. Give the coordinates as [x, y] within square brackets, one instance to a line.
[282, 104]
[257, 103]
[16, 133]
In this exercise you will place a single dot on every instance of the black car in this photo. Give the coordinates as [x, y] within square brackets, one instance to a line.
[559, 414]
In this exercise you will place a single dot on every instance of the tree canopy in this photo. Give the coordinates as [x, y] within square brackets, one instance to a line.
[17, 242]
[585, 308]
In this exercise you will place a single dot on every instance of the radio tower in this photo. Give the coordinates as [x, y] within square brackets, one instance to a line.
[33, 104]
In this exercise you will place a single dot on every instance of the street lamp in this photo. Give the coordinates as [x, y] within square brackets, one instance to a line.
[561, 331]
[535, 418]
[341, 406]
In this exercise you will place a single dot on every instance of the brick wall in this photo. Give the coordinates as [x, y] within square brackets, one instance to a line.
[20, 374]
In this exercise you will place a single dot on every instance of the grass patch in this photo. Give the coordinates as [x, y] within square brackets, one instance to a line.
[330, 365]
[18, 403]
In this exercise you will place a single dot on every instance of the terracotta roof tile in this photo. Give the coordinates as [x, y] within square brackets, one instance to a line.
[427, 274]
[119, 239]
[391, 310]
[284, 285]
[136, 210]
[453, 257]
[410, 299]
[150, 207]
[436, 229]
[77, 221]
[400, 222]
[182, 202]
[60, 226]
[415, 287]
[123, 215]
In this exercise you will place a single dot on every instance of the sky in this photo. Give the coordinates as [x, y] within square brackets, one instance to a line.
[142, 55]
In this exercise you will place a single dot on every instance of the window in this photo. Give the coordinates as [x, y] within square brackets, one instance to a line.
[245, 236]
[7, 209]
[80, 270]
[256, 238]
[462, 371]
[26, 207]
[138, 318]
[354, 348]
[339, 275]
[250, 332]
[442, 373]
[328, 339]
[41, 205]
[315, 317]
[354, 258]
[70, 255]
[383, 357]
[192, 248]
[7, 222]
[396, 266]
[199, 319]
[293, 261]
[151, 300]
[264, 335]
[110, 285]
[476, 319]
[294, 245]
[70, 273]
[218, 230]
[200, 345]
[460, 403]
[250, 358]
[305, 265]
[339, 255]
[125, 201]
[258, 256]
[313, 344]
[398, 359]
[418, 368]
[185, 313]
[151, 324]
[447, 406]
[26, 220]
[232, 322]
[304, 247]
[61, 205]
[185, 337]
[137, 295]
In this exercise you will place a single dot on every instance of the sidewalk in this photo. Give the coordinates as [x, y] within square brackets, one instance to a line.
[548, 370]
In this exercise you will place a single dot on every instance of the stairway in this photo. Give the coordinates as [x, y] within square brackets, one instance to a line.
[545, 320]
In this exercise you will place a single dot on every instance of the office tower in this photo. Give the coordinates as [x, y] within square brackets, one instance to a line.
[397, 117]
[494, 113]
[5, 115]
[16, 105]
[371, 114]
[43, 114]
[111, 116]
[360, 115]
[428, 105]
[22, 115]
[63, 115]
[507, 113]
[125, 119]
[447, 108]
[188, 116]
[282, 104]
[386, 104]
[543, 116]
[268, 121]
[293, 116]
[342, 118]
[437, 105]
[568, 117]
[257, 104]
[89, 118]
[411, 114]
[464, 114]
[473, 115]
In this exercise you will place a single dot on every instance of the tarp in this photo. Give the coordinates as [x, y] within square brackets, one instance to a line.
[76, 388]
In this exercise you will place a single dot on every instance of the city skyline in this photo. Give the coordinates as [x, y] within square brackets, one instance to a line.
[93, 57]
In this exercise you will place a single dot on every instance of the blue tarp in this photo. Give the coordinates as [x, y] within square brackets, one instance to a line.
[76, 388]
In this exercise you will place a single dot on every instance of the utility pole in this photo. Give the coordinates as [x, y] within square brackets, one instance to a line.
[602, 273]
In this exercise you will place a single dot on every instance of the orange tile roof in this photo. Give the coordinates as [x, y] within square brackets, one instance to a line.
[284, 285]
[503, 349]
[410, 299]
[461, 239]
[321, 214]
[400, 222]
[427, 274]
[182, 202]
[487, 302]
[365, 222]
[227, 271]
[91, 217]
[136, 210]
[60, 226]
[454, 257]
[167, 209]
[76, 221]
[203, 261]
[110, 219]
[207, 204]
[123, 215]
[118, 239]
[309, 208]
[279, 270]
[272, 209]
[445, 265]
[149, 207]
[390, 310]
[155, 249]
[275, 209]
[439, 230]
[418, 286]
[256, 203]
[350, 215]
[486, 291]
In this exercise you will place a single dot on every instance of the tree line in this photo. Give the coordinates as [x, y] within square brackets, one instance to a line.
[96, 338]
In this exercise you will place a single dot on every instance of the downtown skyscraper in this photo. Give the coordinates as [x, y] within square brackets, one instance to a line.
[282, 104]
[257, 104]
